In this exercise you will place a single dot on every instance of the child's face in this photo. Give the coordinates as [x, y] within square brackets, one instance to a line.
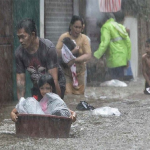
[46, 88]
[147, 48]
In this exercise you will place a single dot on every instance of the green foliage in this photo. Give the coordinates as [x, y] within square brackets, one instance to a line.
[138, 8]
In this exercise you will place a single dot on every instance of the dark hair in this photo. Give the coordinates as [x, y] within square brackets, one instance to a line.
[74, 19]
[148, 41]
[83, 21]
[119, 16]
[69, 43]
[28, 25]
[103, 18]
[47, 78]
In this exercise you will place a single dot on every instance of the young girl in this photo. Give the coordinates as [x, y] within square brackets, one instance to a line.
[46, 85]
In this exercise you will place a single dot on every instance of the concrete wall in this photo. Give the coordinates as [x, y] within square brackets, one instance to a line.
[132, 25]
[57, 16]
[6, 52]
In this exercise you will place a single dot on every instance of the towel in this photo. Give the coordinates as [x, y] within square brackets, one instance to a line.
[109, 5]
[66, 57]
[66, 54]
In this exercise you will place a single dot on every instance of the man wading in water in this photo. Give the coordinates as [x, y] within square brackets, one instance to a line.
[38, 56]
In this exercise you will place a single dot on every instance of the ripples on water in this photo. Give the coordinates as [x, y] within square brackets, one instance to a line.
[89, 132]
[7, 126]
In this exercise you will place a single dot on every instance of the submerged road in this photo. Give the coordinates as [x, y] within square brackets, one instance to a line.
[129, 131]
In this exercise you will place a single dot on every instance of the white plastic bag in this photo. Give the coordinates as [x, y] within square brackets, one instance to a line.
[20, 106]
[52, 104]
[114, 82]
[66, 54]
[29, 106]
[106, 111]
[148, 90]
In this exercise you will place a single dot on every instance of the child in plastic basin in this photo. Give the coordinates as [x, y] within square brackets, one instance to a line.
[47, 88]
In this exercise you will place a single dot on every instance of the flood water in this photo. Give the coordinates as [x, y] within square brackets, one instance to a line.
[129, 131]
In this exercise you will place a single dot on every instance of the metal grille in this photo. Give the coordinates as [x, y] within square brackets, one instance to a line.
[58, 14]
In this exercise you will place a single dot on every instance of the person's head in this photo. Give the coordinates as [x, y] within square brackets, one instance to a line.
[26, 32]
[147, 46]
[69, 43]
[46, 84]
[119, 16]
[103, 18]
[76, 26]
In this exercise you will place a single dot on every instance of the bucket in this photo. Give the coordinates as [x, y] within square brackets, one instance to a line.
[43, 126]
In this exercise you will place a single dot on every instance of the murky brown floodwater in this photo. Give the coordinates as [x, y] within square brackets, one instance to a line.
[130, 131]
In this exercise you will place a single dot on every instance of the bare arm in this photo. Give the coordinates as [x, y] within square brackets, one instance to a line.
[82, 58]
[58, 52]
[73, 116]
[75, 50]
[86, 51]
[54, 73]
[144, 70]
[59, 46]
[20, 85]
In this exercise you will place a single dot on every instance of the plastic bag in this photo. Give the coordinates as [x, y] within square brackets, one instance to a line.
[29, 106]
[83, 105]
[114, 82]
[52, 104]
[66, 54]
[106, 111]
[20, 106]
[148, 90]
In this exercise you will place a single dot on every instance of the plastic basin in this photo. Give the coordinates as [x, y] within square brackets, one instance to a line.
[46, 126]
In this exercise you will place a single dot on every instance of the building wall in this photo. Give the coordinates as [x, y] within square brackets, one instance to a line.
[57, 15]
[133, 27]
[24, 9]
[6, 51]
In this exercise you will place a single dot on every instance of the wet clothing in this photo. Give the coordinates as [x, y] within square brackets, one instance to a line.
[84, 45]
[115, 43]
[39, 63]
[116, 73]
[67, 56]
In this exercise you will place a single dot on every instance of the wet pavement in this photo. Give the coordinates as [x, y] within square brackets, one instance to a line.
[129, 131]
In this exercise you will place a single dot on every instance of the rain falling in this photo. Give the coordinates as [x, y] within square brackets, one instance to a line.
[105, 104]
